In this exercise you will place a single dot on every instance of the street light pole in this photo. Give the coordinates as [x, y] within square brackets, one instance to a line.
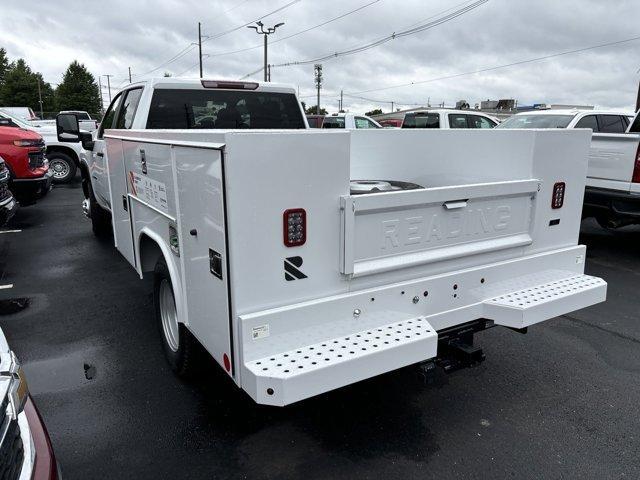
[109, 86]
[261, 30]
[200, 46]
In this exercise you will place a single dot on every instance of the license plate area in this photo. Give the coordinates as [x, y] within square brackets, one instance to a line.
[392, 230]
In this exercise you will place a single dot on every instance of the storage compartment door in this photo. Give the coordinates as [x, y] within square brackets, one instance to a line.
[119, 198]
[392, 230]
[202, 232]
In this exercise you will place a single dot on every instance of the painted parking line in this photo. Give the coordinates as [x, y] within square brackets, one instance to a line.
[4, 287]
[10, 231]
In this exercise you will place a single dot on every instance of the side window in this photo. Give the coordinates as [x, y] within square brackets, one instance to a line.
[361, 122]
[476, 121]
[107, 120]
[128, 108]
[611, 124]
[457, 120]
[588, 122]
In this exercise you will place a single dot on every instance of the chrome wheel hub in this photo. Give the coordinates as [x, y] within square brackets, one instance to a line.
[60, 168]
[168, 315]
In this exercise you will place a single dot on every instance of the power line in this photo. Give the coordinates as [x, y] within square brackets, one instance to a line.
[191, 46]
[239, 27]
[298, 33]
[506, 65]
[410, 31]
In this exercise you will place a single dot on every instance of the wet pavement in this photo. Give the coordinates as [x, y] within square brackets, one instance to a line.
[559, 402]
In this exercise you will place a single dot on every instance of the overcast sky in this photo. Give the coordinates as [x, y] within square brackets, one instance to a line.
[110, 35]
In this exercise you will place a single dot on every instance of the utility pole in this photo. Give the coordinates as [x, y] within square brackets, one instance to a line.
[200, 46]
[260, 29]
[341, 101]
[129, 74]
[109, 86]
[101, 98]
[40, 101]
[392, 110]
[317, 69]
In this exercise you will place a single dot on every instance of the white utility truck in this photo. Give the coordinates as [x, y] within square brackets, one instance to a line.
[305, 260]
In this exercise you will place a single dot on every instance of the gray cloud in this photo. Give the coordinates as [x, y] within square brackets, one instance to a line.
[111, 35]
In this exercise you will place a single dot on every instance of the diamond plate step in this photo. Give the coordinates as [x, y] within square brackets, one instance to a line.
[296, 374]
[528, 306]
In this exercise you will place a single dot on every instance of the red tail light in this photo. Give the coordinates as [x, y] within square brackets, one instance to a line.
[294, 227]
[557, 200]
[636, 168]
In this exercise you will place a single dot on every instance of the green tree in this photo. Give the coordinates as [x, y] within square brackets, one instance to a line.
[78, 90]
[313, 109]
[19, 88]
[376, 111]
[4, 66]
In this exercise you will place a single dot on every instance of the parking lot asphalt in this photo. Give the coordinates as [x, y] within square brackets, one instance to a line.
[559, 402]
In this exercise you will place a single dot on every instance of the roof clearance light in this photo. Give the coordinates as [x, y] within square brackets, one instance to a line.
[229, 85]
[294, 227]
[557, 200]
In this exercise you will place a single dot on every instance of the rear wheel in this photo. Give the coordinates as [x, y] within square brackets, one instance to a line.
[100, 218]
[63, 167]
[178, 344]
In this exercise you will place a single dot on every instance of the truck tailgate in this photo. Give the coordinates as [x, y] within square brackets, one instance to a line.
[382, 232]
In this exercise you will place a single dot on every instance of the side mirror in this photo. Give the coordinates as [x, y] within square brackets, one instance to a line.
[86, 138]
[68, 127]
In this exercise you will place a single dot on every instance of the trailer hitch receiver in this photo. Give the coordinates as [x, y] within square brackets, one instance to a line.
[456, 349]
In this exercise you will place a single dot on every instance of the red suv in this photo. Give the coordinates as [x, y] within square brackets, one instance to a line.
[23, 153]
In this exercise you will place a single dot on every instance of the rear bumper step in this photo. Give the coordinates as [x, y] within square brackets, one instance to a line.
[313, 369]
[287, 376]
[527, 306]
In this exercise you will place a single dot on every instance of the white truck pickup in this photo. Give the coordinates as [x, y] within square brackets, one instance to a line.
[303, 260]
[612, 193]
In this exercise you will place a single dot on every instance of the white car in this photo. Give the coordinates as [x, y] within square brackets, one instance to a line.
[64, 158]
[448, 118]
[349, 121]
[612, 193]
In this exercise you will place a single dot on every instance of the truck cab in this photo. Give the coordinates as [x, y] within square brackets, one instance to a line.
[170, 104]
[448, 118]
[349, 121]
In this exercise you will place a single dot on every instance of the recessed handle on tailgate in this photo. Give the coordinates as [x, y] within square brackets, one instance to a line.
[455, 204]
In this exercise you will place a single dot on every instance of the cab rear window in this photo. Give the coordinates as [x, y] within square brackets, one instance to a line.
[228, 109]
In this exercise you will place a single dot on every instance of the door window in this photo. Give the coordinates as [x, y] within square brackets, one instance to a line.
[107, 120]
[128, 108]
[362, 122]
[589, 121]
[476, 121]
[458, 120]
[421, 120]
[610, 124]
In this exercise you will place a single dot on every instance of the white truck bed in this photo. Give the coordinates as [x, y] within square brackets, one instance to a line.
[380, 274]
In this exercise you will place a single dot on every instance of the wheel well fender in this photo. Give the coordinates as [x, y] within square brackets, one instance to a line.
[150, 247]
[66, 150]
